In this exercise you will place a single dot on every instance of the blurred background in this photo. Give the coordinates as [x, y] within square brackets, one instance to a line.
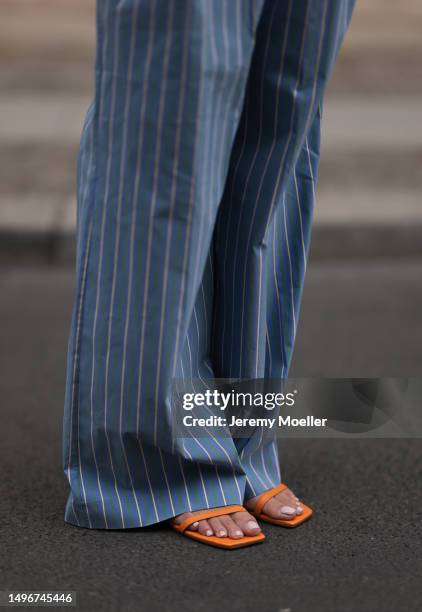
[362, 301]
[361, 317]
[369, 198]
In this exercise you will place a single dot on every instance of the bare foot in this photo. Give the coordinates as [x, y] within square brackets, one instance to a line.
[284, 505]
[235, 525]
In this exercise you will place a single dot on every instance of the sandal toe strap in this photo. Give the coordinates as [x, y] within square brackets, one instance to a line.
[264, 497]
[201, 516]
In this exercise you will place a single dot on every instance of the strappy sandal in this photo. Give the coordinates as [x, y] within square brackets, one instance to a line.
[227, 542]
[293, 522]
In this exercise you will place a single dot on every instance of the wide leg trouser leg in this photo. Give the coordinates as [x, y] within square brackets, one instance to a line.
[170, 79]
[263, 230]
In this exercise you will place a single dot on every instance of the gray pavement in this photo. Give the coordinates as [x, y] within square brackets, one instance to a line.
[360, 552]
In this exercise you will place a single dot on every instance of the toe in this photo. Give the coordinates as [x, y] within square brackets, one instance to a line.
[182, 517]
[233, 529]
[288, 501]
[287, 512]
[218, 528]
[246, 523]
[284, 505]
[279, 509]
[204, 528]
[294, 501]
[299, 508]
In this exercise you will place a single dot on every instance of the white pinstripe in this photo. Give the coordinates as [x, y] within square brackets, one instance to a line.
[251, 167]
[258, 327]
[290, 266]
[276, 111]
[196, 439]
[280, 321]
[149, 481]
[264, 467]
[300, 216]
[128, 95]
[167, 482]
[106, 196]
[250, 457]
[75, 361]
[310, 169]
[78, 331]
[100, 264]
[134, 215]
[288, 142]
[211, 436]
[200, 475]
[154, 192]
[227, 234]
[188, 225]
[224, 137]
[180, 110]
[270, 365]
[207, 150]
[276, 462]
[247, 477]
[185, 484]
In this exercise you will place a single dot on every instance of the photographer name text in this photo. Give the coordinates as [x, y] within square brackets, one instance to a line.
[269, 422]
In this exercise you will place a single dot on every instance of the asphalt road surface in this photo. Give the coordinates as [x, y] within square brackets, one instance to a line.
[360, 552]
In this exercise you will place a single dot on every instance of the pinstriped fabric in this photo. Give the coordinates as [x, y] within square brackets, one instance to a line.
[196, 185]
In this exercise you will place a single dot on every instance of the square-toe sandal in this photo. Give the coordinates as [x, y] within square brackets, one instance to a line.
[293, 522]
[227, 542]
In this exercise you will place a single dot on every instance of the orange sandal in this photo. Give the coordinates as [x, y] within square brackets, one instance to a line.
[213, 540]
[293, 522]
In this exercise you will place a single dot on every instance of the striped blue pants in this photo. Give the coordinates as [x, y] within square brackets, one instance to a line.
[196, 185]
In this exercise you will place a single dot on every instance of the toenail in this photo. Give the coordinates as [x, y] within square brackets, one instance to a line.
[195, 524]
[287, 510]
[208, 532]
[238, 533]
[252, 525]
[222, 534]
